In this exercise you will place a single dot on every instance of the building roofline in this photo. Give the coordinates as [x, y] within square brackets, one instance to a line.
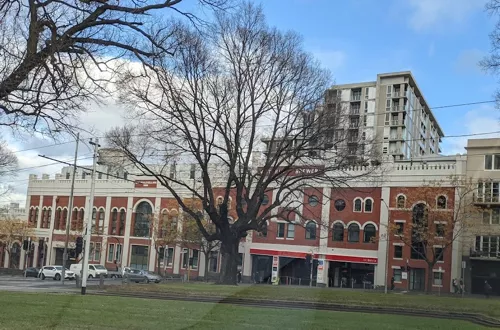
[418, 92]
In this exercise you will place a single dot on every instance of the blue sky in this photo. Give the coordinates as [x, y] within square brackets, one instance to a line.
[440, 41]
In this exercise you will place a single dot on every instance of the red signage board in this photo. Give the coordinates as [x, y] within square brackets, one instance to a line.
[146, 183]
[289, 254]
[357, 260]
[302, 255]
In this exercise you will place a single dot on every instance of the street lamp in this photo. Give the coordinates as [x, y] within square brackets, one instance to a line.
[387, 246]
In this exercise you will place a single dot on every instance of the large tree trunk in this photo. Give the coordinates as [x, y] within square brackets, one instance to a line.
[229, 266]
[158, 263]
[206, 266]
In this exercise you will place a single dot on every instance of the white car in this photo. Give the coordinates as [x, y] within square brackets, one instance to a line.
[55, 272]
[95, 271]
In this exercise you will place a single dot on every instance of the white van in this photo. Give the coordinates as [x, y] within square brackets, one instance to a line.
[94, 270]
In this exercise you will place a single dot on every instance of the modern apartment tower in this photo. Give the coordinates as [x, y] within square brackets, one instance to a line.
[391, 114]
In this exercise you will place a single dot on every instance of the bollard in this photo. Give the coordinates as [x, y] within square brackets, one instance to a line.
[101, 281]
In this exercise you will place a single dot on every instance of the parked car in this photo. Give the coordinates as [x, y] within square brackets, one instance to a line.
[55, 272]
[94, 270]
[118, 273]
[152, 277]
[135, 275]
[31, 272]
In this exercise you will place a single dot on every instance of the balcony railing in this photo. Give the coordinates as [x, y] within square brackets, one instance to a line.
[397, 108]
[356, 97]
[396, 122]
[395, 94]
[354, 111]
[396, 137]
[486, 198]
[354, 125]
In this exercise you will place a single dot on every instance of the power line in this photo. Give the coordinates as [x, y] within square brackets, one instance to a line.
[270, 125]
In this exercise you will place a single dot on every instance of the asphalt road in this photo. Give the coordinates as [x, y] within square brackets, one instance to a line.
[31, 284]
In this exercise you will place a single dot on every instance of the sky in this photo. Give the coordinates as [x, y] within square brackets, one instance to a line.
[440, 41]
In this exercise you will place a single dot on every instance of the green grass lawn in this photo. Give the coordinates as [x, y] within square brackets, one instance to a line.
[67, 311]
[489, 307]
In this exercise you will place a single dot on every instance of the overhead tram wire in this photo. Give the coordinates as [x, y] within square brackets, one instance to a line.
[383, 113]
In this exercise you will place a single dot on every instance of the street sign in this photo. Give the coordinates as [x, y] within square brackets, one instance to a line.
[404, 275]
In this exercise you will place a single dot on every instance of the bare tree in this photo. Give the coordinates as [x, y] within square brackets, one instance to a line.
[444, 212]
[58, 54]
[8, 166]
[245, 103]
[491, 63]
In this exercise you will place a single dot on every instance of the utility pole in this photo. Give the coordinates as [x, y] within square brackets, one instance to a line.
[88, 226]
[387, 245]
[70, 212]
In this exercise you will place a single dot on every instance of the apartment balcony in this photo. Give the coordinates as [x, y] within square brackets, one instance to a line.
[398, 94]
[397, 108]
[355, 97]
[396, 138]
[485, 199]
[397, 123]
[354, 112]
[353, 125]
[395, 152]
[352, 140]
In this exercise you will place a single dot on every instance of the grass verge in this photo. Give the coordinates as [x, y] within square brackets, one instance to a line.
[63, 311]
[487, 307]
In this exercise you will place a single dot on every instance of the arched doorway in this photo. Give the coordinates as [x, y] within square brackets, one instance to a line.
[15, 256]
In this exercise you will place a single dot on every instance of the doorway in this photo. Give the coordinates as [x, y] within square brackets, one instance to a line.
[139, 257]
[417, 279]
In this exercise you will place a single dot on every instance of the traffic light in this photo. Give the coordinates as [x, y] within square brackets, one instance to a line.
[79, 245]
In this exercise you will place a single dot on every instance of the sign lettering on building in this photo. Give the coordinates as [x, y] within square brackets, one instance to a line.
[146, 183]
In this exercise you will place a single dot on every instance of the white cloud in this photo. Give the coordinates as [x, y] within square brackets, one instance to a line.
[483, 119]
[468, 61]
[98, 119]
[434, 14]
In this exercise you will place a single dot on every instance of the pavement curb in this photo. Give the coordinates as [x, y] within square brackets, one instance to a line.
[471, 317]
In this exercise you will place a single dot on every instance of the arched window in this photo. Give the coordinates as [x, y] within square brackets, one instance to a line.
[174, 221]
[64, 219]
[441, 202]
[44, 218]
[368, 205]
[74, 219]
[57, 219]
[369, 233]
[358, 205]
[311, 230]
[401, 201]
[142, 218]
[353, 233]
[419, 231]
[81, 216]
[338, 232]
[123, 215]
[114, 221]
[48, 219]
[94, 215]
[100, 224]
[36, 215]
